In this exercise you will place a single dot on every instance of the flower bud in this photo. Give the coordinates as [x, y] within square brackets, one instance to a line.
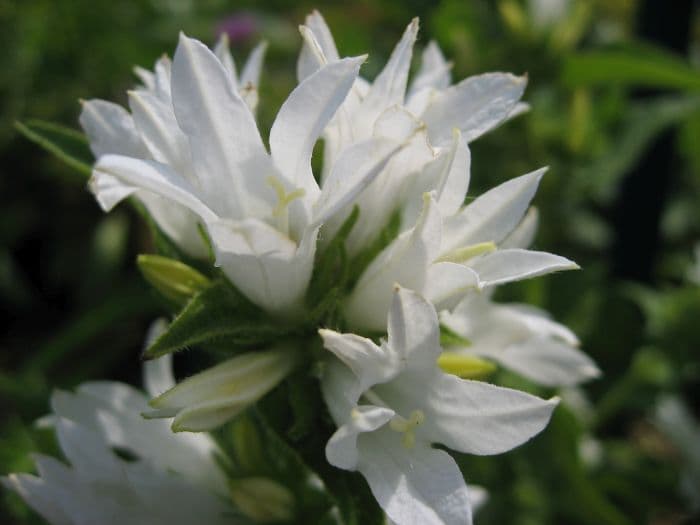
[212, 397]
[174, 280]
[262, 499]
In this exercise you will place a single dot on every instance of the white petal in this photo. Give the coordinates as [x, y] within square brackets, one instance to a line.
[421, 485]
[503, 266]
[110, 129]
[478, 496]
[110, 191]
[448, 175]
[405, 261]
[169, 206]
[475, 105]
[468, 416]
[40, 496]
[356, 167]
[389, 88]
[413, 330]
[177, 222]
[434, 70]
[157, 373]
[304, 116]
[88, 454]
[268, 267]
[340, 387]
[388, 190]
[538, 321]
[221, 129]
[548, 362]
[448, 282]
[223, 53]
[146, 77]
[519, 109]
[492, 215]
[476, 317]
[113, 410]
[146, 175]
[370, 363]
[341, 449]
[250, 75]
[317, 24]
[159, 131]
[524, 233]
[163, 74]
[311, 57]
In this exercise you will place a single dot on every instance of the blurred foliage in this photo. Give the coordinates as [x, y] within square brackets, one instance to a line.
[75, 306]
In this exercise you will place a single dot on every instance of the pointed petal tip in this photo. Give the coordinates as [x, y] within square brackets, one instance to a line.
[325, 332]
[591, 371]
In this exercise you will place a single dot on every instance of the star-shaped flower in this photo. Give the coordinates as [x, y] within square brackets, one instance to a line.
[392, 403]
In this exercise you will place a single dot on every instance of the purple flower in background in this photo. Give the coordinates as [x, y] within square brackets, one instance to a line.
[240, 26]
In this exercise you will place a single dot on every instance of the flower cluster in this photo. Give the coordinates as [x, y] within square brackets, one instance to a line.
[373, 258]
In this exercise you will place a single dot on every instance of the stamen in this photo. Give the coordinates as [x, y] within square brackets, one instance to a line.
[283, 198]
[407, 427]
[461, 255]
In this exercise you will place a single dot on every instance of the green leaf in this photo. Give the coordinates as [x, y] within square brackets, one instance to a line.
[641, 123]
[175, 280]
[218, 314]
[67, 144]
[638, 65]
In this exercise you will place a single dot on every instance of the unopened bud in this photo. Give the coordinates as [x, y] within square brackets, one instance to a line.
[173, 279]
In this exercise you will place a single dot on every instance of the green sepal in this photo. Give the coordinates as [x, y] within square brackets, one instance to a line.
[219, 315]
[67, 144]
[330, 273]
[305, 402]
[173, 279]
[259, 453]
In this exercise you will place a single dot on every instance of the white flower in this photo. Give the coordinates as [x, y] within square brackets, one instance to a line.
[429, 111]
[262, 211]
[150, 132]
[392, 402]
[518, 336]
[173, 478]
[472, 249]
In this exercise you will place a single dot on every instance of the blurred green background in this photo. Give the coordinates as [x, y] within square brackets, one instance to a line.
[614, 87]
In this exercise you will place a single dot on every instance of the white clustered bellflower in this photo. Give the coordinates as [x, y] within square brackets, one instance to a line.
[398, 152]
[150, 132]
[448, 244]
[437, 118]
[392, 402]
[170, 478]
[261, 210]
